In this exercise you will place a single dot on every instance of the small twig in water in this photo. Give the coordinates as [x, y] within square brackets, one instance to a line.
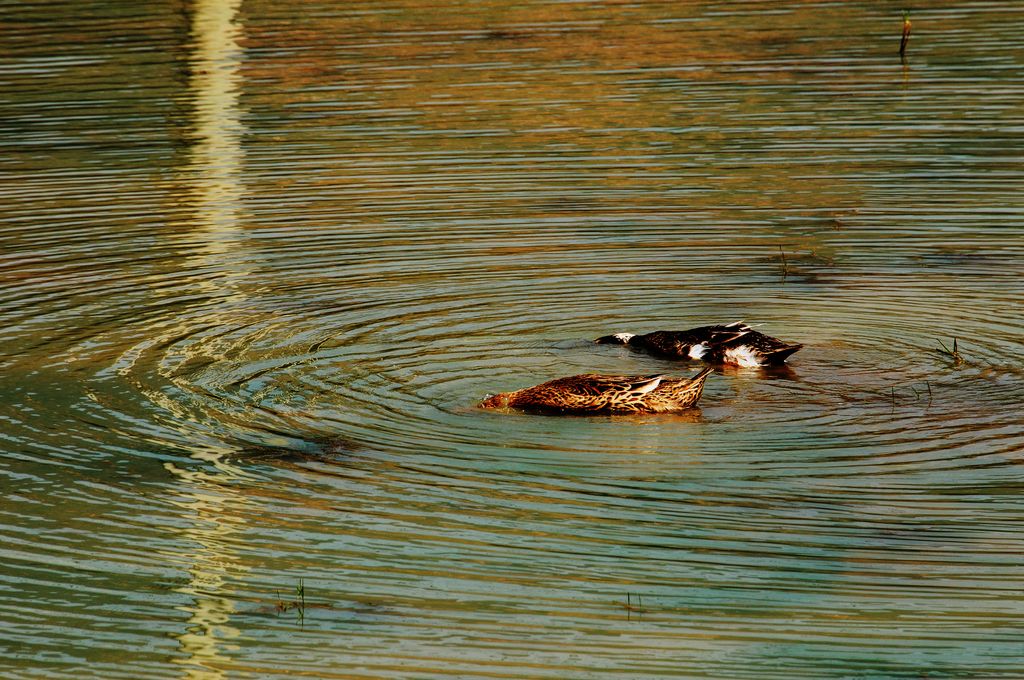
[929, 392]
[906, 35]
[629, 607]
[785, 267]
[954, 353]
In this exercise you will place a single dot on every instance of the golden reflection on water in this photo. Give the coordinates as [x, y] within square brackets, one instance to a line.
[214, 509]
[216, 161]
[215, 184]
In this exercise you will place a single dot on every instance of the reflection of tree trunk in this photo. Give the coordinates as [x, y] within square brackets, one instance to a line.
[214, 176]
[216, 160]
[216, 517]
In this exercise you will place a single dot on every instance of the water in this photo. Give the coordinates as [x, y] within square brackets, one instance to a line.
[260, 260]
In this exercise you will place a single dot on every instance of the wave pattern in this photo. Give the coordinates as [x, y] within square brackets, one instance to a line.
[260, 262]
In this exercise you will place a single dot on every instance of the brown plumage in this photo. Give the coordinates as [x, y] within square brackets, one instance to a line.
[591, 393]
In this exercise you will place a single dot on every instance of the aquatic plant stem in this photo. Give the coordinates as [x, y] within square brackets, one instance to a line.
[906, 35]
[954, 353]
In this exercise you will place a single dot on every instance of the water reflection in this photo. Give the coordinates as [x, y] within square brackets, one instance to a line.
[215, 512]
[216, 159]
[215, 174]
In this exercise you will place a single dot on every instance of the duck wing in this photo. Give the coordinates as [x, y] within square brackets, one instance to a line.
[592, 384]
[679, 343]
[587, 393]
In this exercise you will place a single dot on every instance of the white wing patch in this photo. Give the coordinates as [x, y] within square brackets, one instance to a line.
[698, 350]
[645, 387]
[743, 355]
[624, 337]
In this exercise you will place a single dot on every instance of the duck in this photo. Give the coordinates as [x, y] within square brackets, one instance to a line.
[733, 343]
[590, 393]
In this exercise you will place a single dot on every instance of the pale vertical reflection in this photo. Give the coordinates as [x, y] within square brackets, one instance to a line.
[216, 160]
[214, 510]
[215, 183]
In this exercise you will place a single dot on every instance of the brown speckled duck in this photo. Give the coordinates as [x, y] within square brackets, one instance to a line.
[595, 394]
[734, 343]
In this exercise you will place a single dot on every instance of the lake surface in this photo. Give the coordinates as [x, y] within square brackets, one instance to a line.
[259, 261]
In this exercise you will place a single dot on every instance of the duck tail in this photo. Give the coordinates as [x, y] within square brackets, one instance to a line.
[684, 392]
[777, 356]
[702, 376]
[688, 392]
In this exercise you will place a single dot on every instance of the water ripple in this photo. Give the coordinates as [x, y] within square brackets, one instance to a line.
[260, 264]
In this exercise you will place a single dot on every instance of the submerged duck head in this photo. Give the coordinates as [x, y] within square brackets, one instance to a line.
[496, 401]
[615, 339]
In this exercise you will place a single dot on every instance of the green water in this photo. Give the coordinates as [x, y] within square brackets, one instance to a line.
[258, 261]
